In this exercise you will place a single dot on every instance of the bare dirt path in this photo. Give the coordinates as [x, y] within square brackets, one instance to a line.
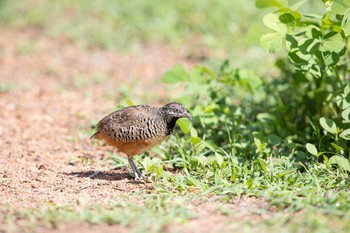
[52, 91]
[46, 112]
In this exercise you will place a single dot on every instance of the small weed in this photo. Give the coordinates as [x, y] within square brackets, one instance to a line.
[3, 181]
[7, 86]
[81, 159]
[117, 161]
[26, 48]
[99, 79]
[80, 82]
[156, 212]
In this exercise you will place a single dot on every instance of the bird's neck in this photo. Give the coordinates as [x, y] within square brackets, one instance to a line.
[171, 125]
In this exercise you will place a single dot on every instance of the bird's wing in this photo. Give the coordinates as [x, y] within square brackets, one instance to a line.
[127, 123]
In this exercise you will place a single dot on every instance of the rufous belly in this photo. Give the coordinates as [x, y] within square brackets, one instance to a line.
[131, 148]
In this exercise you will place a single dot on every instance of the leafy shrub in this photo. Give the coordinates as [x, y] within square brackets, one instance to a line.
[317, 68]
[240, 117]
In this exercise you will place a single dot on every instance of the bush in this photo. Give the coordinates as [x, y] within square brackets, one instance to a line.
[317, 71]
[303, 113]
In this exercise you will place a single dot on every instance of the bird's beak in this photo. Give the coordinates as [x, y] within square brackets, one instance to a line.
[188, 116]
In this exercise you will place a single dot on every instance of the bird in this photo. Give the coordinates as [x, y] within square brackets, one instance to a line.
[136, 129]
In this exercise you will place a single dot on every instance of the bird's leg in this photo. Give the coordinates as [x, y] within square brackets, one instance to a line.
[137, 173]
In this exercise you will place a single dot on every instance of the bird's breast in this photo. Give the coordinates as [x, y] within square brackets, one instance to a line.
[132, 148]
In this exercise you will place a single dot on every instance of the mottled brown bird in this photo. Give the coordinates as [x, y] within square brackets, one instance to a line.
[136, 129]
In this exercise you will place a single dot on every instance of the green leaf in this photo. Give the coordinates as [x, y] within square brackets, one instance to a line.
[147, 163]
[345, 134]
[288, 14]
[219, 159]
[313, 32]
[333, 42]
[337, 147]
[308, 45]
[211, 108]
[201, 159]
[259, 140]
[315, 70]
[311, 149]
[268, 3]
[327, 19]
[326, 160]
[343, 101]
[341, 162]
[249, 77]
[129, 102]
[300, 78]
[345, 24]
[157, 150]
[274, 139]
[299, 58]
[185, 125]
[197, 77]
[195, 140]
[298, 4]
[328, 125]
[320, 56]
[340, 6]
[347, 90]
[272, 21]
[271, 41]
[262, 164]
[346, 114]
[249, 182]
[211, 160]
[291, 43]
[286, 18]
[177, 74]
[193, 132]
[331, 58]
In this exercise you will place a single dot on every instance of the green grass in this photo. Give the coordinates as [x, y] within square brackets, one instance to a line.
[158, 212]
[213, 29]
[152, 215]
[284, 182]
[119, 23]
[209, 30]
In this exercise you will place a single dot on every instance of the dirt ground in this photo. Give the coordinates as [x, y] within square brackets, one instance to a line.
[55, 91]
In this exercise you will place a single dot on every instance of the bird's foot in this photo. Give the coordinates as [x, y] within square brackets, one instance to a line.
[137, 176]
[136, 172]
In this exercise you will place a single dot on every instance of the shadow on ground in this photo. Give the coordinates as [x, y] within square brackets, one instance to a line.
[101, 175]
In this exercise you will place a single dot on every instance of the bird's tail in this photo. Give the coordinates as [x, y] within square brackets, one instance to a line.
[95, 135]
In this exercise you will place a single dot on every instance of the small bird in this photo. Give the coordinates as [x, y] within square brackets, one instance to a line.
[136, 129]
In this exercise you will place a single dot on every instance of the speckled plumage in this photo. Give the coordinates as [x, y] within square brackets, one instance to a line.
[136, 129]
[134, 124]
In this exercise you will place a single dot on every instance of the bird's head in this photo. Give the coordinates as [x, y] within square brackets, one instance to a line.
[174, 111]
